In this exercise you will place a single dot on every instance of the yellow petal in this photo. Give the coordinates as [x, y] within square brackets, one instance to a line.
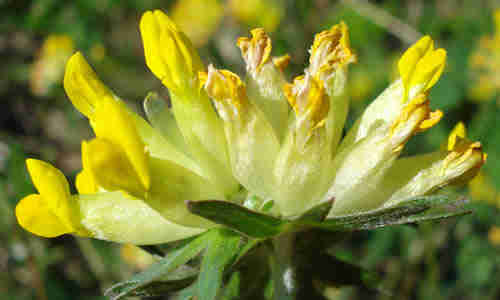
[112, 121]
[53, 187]
[150, 33]
[85, 183]
[109, 167]
[169, 53]
[412, 56]
[458, 132]
[429, 69]
[35, 215]
[82, 85]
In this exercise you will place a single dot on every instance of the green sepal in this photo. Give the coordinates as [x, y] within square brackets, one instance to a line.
[239, 218]
[318, 213]
[417, 209]
[159, 270]
[221, 251]
[161, 117]
[440, 212]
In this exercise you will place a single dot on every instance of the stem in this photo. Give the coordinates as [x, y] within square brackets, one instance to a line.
[283, 268]
[395, 26]
[292, 279]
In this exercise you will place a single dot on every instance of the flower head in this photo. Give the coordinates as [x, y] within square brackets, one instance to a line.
[231, 139]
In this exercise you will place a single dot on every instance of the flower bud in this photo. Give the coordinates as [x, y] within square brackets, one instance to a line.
[169, 53]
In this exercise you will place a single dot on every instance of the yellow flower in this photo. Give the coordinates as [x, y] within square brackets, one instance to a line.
[207, 14]
[230, 139]
[52, 212]
[481, 188]
[494, 235]
[48, 67]
[484, 64]
[262, 13]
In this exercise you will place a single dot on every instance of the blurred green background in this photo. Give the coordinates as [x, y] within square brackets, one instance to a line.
[457, 259]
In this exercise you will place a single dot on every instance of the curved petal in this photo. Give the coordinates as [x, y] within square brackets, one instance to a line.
[82, 85]
[54, 189]
[112, 121]
[35, 215]
[109, 167]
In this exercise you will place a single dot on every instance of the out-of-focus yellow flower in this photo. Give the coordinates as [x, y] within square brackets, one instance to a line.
[260, 13]
[48, 68]
[481, 188]
[198, 18]
[98, 52]
[484, 64]
[494, 235]
[226, 138]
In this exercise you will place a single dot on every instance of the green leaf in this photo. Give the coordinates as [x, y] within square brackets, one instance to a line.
[177, 257]
[161, 288]
[221, 251]
[239, 218]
